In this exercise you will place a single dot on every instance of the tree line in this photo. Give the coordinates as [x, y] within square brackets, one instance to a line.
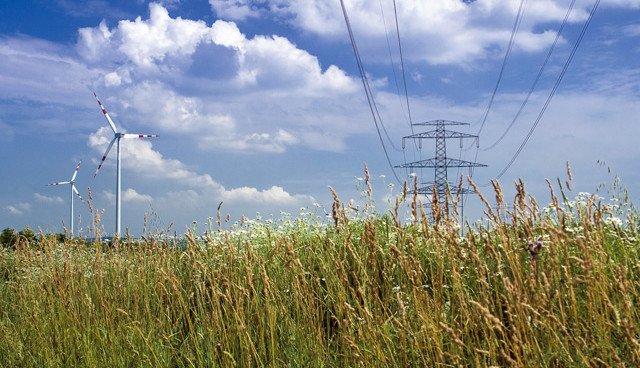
[9, 237]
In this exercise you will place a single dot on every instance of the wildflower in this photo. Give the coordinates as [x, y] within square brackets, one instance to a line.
[615, 221]
[533, 248]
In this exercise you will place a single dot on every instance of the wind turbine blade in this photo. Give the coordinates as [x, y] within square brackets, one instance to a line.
[76, 172]
[76, 191]
[60, 183]
[106, 114]
[105, 156]
[140, 135]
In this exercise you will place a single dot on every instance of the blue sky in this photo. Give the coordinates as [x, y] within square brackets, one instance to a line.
[259, 104]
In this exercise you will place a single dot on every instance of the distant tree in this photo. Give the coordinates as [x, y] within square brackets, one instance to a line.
[60, 238]
[7, 237]
[28, 234]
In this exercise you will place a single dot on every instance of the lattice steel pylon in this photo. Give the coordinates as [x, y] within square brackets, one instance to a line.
[440, 163]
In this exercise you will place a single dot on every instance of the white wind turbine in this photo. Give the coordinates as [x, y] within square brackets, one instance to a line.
[116, 139]
[73, 190]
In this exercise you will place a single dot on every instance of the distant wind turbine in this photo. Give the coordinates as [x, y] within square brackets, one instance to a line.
[73, 190]
[116, 139]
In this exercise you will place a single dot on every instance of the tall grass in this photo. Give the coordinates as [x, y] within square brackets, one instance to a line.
[544, 286]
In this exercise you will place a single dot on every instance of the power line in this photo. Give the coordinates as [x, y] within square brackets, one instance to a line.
[393, 68]
[367, 90]
[535, 82]
[404, 78]
[553, 91]
[514, 31]
[516, 26]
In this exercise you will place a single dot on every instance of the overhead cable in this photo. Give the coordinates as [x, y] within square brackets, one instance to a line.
[507, 53]
[404, 77]
[393, 69]
[535, 82]
[367, 90]
[553, 91]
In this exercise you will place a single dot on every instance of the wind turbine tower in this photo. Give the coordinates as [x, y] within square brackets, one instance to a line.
[116, 139]
[73, 190]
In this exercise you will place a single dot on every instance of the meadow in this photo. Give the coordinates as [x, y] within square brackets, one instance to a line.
[531, 285]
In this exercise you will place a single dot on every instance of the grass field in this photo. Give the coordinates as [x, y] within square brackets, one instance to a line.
[532, 286]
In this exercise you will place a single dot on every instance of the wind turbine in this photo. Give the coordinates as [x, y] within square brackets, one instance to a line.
[116, 139]
[73, 190]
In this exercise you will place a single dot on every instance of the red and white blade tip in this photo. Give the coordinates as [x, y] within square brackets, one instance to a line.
[76, 172]
[106, 115]
[99, 166]
[78, 193]
[140, 135]
[105, 155]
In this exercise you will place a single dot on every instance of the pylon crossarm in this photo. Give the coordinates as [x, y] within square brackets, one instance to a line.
[439, 134]
[439, 122]
[433, 162]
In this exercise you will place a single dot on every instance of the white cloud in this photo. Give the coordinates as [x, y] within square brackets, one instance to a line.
[634, 4]
[273, 195]
[130, 195]
[42, 71]
[270, 97]
[157, 105]
[166, 45]
[19, 209]
[93, 43]
[112, 79]
[273, 61]
[235, 9]
[439, 31]
[144, 161]
[45, 199]
[632, 30]
[145, 42]
[264, 142]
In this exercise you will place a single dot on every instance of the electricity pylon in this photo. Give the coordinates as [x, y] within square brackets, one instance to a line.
[440, 163]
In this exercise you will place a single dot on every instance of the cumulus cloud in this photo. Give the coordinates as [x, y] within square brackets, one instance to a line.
[440, 31]
[236, 9]
[143, 42]
[145, 161]
[142, 159]
[164, 45]
[19, 209]
[46, 199]
[130, 195]
[264, 142]
[227, 91]
[273, 195]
